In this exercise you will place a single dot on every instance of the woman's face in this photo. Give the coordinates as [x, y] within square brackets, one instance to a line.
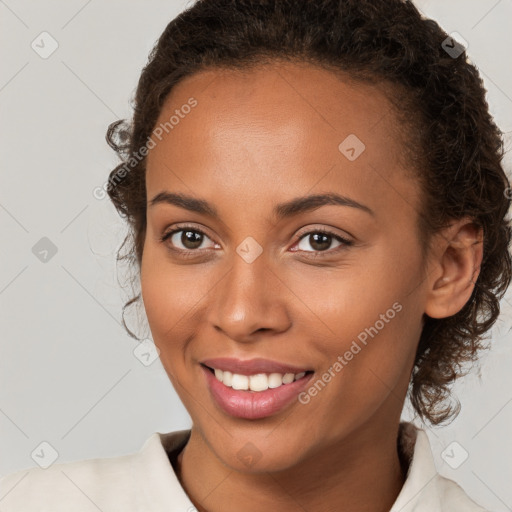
[262, 281]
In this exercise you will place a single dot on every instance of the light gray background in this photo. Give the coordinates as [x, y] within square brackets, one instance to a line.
[69, 375]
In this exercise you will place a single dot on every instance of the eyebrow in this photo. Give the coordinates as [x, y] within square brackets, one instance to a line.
[282, 210]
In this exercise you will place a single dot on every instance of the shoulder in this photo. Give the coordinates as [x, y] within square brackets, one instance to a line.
[454, 497]
[143, 480]
[83, 485]
[425, 489]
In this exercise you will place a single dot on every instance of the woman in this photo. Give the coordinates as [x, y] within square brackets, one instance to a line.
[317, 206]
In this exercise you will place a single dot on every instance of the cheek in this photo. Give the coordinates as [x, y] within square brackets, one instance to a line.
[174, 297]
[167, 292]
[381, 371]
[371, 320]
[367, 369]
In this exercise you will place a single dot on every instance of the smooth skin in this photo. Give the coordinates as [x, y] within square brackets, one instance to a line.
[255, 140]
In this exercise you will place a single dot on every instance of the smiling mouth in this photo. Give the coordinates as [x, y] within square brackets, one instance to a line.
[256, 382]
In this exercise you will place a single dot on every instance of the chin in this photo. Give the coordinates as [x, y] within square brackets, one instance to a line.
[259, 450]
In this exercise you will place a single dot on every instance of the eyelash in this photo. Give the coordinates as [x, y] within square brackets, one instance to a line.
[189, 253]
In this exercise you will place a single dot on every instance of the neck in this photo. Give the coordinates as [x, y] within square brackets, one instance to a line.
[364, 473]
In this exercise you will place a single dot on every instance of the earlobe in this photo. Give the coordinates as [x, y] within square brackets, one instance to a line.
[458, 261]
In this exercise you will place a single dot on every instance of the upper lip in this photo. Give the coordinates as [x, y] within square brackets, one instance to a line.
[251, 366]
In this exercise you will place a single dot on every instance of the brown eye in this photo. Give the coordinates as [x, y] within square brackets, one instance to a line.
[321, 241]
[184, 239]
[191, 239]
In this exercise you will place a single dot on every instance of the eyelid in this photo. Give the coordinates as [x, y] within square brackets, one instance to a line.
[347, 237]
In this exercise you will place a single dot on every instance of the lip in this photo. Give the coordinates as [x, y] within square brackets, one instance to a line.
[253, 405]
[252, 366]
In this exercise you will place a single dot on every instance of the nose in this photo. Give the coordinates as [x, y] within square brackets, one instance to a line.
[248, 301]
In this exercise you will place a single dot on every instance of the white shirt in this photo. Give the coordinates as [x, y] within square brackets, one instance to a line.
[146, 482]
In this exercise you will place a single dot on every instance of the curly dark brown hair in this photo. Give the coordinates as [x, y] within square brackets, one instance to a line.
[451, 141]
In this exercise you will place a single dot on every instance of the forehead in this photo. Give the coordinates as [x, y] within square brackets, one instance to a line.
[278, 130]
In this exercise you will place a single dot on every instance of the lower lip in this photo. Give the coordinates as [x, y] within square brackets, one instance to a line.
[253, 404]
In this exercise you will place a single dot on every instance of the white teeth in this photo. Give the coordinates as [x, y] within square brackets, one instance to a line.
[275, 380]
[257, 382]
[240, 381]
[227, 378]
[288, 377]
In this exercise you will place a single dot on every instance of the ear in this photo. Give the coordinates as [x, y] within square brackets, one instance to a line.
[456, 267]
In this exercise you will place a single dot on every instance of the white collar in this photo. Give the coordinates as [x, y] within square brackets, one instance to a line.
[424, 490]
[419, 492]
